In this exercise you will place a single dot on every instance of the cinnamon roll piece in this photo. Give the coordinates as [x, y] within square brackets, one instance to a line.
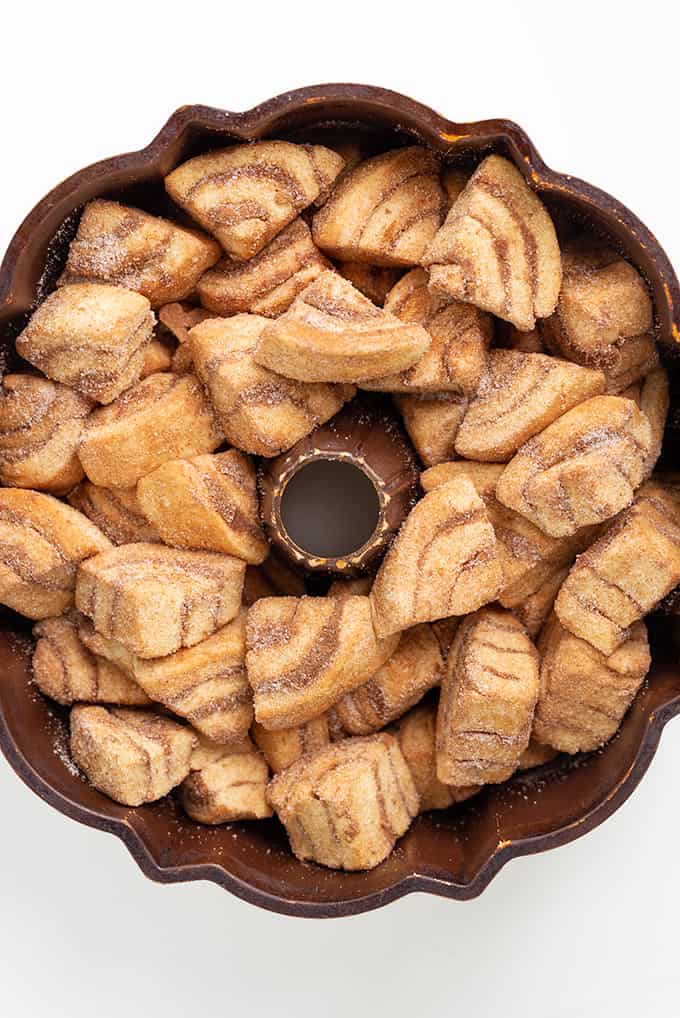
[272, 578]
[158, 358]
[654, 401]
[498, 248]
[520, 395]
[374, 281]
[332, 333]
[626, 572]
[585, 694]
[40, 426]
[304, 653]
[487, 700]
[164, 417]
[460, 337]
[346, 805]
[259, 411]
[432, 424]
[269, 283]
[133, 756]
[246, 194]
[127, 247]
[155, 600]
[207, 502]
[42, 542]
[385, 211]
[443, 562]
[66, 671]
[116, 511]
[90, 336]
[232, 788]
[283, 748]
[179, 318]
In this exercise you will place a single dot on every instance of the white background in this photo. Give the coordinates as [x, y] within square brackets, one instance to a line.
[588, 929]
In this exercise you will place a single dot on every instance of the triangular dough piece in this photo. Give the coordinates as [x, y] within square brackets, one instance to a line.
[332, 333]
[498, 248]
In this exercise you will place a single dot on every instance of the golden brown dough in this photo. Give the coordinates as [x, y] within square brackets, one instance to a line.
[345, 805]
[374, 281]
[42, 542]
[498, 248]
[460, 336]
[385, 211]
[582, 469]
[432, 424]
[90, 336]
[65, 670]
[533, 608]
[232, 788]
[268, 283]
[536, 754]
[415, 733]
[164, 417]
[414, 667]
[625, 574]
[654, 401]
[285, 747]
[487, 700]
[245, 194]
[158, 357]
[304, 653]
[635, 358]
[116, 511]
[583, 693]
[205, 683]
[272, 578]
[155, 600]
[178, 318]
[443, 562]
[332, 333]
[133, 756]
[40, 426]
[207, 502]
[207, 752]
[454, 182]
[520, 395]
[259, 410]
[128, 247]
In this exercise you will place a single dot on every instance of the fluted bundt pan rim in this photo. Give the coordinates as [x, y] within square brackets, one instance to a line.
[312, 891]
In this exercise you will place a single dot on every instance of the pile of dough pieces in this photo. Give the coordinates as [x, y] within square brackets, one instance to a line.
[171, 354]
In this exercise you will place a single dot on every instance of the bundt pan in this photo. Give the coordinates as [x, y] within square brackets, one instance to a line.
[454, 853]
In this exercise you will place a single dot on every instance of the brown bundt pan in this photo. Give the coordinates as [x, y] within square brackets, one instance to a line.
[454, 853]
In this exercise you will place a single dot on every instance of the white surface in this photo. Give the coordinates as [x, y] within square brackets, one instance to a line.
[587, 929]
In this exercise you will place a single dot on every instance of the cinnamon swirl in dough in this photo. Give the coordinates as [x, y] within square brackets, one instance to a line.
[286, 746]
[90, 336]
[232, 788]
[432, 424]
[497, 248]
[116, 511]
[374, 281]
[128, 247]
[345, 805]
[245, 194]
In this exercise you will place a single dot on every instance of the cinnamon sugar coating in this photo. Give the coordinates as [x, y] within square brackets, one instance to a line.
[133, 756]
[258, 410]
[283, 748]
[42, 542]
[305, 653]
[415, 733]
[385, 211]
[130, 248]
[66, 671]
[207, 502]
[155, 600]
[246, 194]
[158, 357]
[205, 683]
[536, 754]
[40, 426]
[164, 417]
[520, 395]
[332, 333]
[654, 401]
[414, 667]
[268, 283]
[89, 336]
[626, 573]
[460, 336]
[232, 788]
[345, 805]
[116, 511]
[374, 281]
[178, 318]
[584, 694]
[443, 562]
[497, 248]
[432, 424]
[487, 700]
[582, 469]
